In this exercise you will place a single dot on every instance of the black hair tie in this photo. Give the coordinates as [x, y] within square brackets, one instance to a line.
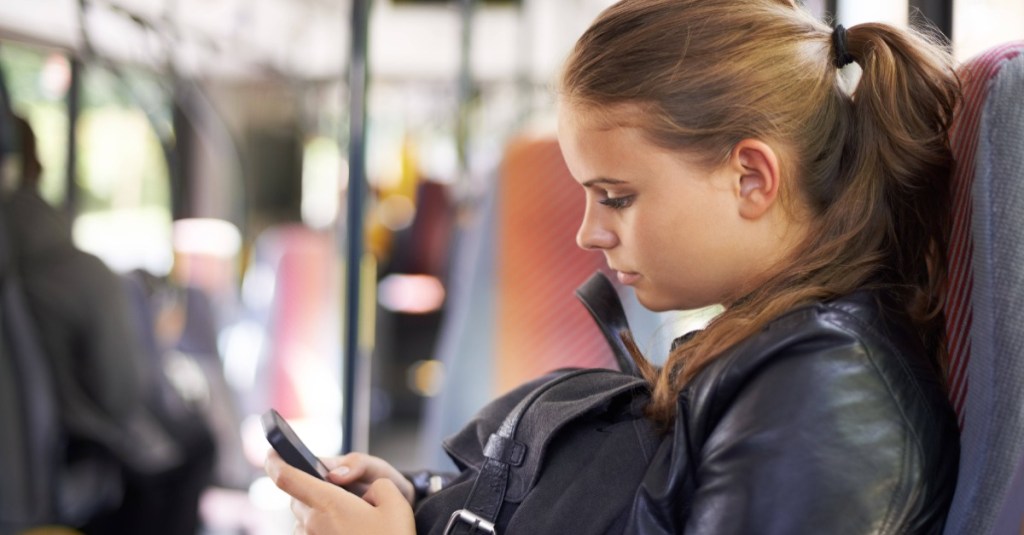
[842, 55]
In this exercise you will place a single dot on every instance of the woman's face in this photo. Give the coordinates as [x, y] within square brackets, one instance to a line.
[668, 227]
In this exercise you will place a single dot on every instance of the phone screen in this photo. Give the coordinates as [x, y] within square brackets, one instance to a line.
[287, 444]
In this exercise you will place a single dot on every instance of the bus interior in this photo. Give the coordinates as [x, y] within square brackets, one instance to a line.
[353, 212]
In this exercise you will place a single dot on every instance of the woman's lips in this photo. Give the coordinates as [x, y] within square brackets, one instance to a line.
[627, 278]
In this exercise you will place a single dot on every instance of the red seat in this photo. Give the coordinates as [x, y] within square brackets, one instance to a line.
[540, 326]
[986, 292]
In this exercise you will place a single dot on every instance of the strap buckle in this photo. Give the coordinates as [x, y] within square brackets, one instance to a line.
[476, 523]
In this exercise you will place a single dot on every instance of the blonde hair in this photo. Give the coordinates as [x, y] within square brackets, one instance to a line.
[872, 167]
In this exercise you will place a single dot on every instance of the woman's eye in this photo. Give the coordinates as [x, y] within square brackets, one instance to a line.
[617, 203]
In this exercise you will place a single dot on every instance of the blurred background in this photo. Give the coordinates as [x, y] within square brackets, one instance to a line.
[210, 154]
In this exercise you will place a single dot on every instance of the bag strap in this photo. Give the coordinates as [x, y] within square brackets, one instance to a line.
[503, 451]
[600, 298]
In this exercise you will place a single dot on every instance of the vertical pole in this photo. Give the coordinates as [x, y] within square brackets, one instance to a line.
[7, 143]
[358, 77]
[177, 156]
[465, 88]
[831, 9]
[524, 76]
[939, 12]
[74, 101]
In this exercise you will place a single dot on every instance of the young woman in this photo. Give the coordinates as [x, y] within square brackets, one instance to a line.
[724, 161]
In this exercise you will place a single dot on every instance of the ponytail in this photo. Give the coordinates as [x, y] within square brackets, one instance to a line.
[902, 109]
[872, 166]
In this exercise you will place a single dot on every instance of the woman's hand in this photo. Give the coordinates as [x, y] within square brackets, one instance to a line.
[358, 471]
[321, 508]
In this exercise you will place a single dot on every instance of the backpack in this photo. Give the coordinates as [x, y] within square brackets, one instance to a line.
[563, 454]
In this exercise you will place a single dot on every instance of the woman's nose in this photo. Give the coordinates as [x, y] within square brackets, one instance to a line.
[593, 235]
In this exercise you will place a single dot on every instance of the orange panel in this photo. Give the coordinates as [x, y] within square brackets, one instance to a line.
[541, 325]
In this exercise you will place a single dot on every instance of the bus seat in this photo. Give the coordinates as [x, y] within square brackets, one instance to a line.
[465, 334]
[541, 326]
[986, 341]
[298, 266]
[1011, 517]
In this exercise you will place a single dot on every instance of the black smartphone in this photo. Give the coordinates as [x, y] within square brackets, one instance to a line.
[287, 443]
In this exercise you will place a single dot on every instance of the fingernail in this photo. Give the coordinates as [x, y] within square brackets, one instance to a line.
[340, 471]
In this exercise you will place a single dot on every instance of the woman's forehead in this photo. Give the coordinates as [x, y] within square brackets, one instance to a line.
[590, 115]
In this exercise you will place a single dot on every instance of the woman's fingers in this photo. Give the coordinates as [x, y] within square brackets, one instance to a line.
[295, 482]
[301, 512]
[394, 513]
[351, 466]
[356, 471]
[321, 508]
[348, 469]
[383, 494]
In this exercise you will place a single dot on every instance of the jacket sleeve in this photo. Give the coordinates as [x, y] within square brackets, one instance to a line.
[814, 442]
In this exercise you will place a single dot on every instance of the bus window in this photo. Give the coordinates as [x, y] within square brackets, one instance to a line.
[890, 11]
[981, 24]
[38, 82]
[124, 201]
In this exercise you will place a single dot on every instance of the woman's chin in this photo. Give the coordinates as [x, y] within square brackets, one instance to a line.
[656, 302]
[653, 304]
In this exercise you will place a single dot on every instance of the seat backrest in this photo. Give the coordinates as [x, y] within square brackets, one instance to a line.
[540, 325]
[986, 299]
[1011, 517]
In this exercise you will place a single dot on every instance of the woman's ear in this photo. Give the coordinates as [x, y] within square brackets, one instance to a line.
[758, 168]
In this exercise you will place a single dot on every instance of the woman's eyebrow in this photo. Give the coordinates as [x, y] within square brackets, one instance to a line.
[603, 181]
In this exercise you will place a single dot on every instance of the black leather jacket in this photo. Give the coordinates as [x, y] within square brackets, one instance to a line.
[831, 420]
